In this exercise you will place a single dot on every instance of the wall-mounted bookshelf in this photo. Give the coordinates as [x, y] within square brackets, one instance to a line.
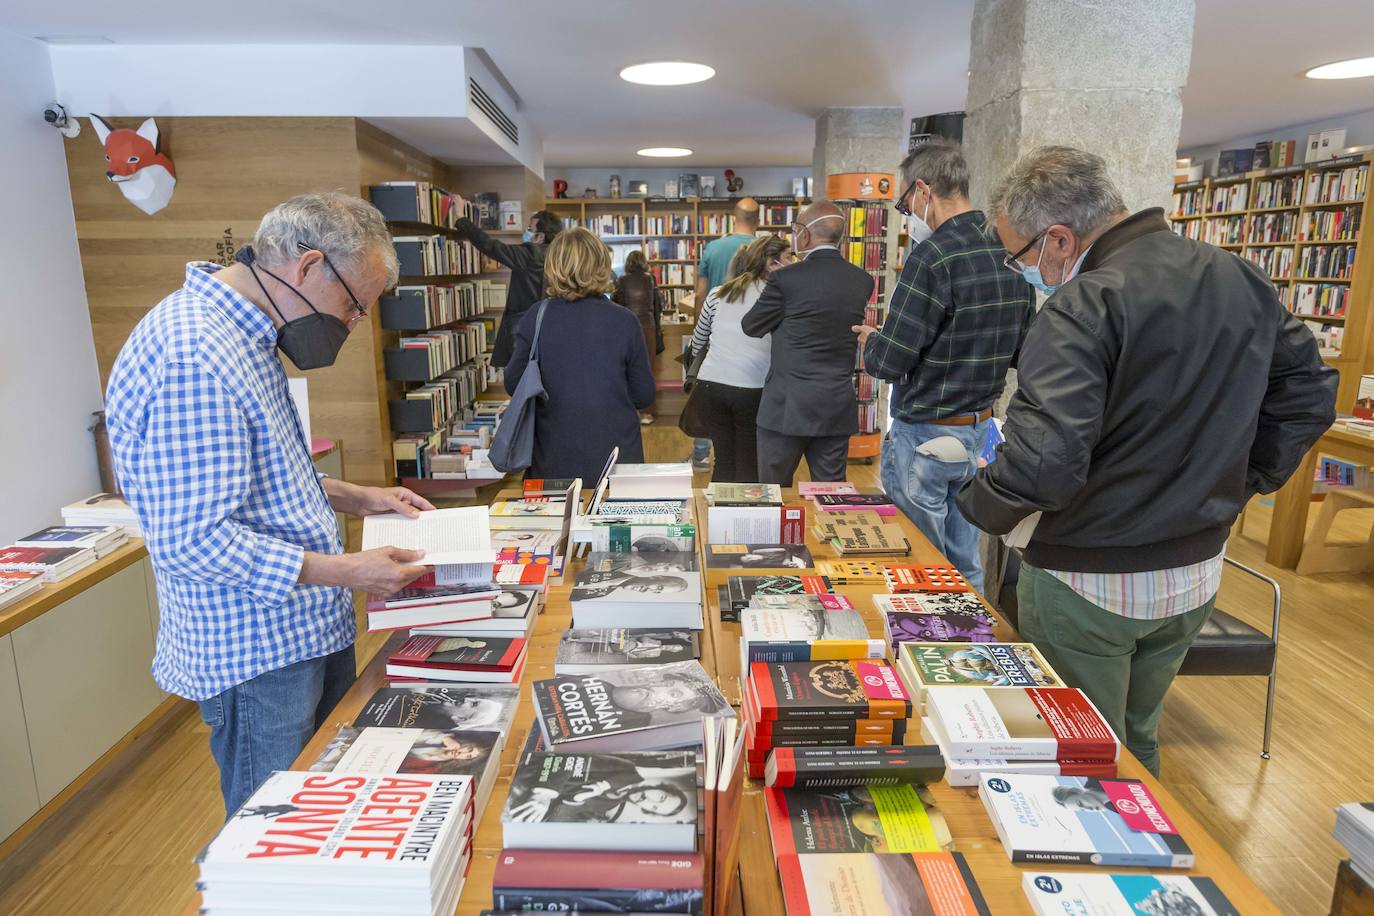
[438, 325]
[1301, 224]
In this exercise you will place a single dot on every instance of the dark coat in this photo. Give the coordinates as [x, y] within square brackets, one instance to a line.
[809, 308]
[596, 371]
[526, 263]
[1158, 390]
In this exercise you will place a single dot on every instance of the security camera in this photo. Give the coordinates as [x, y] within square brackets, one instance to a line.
[56, 115]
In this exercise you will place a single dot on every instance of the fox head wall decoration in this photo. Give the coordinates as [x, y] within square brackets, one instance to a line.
[134, 161]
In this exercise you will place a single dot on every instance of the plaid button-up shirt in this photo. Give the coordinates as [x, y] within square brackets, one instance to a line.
[210, 454]
[954, 324]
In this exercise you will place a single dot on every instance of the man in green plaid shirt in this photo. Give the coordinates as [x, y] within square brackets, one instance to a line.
[954, 325]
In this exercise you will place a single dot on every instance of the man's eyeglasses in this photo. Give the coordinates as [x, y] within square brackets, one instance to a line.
[1013, 261]
[901, 205]
[359, 310]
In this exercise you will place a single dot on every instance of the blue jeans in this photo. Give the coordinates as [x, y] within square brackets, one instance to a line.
[924, 487]
[263, 724]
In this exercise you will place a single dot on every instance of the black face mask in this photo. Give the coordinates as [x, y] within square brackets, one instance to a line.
[312, 341]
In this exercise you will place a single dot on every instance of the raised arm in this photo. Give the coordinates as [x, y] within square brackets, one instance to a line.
[516, 257]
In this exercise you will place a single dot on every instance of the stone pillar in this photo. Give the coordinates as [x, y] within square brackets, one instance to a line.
[1102, 75]
[856, 140]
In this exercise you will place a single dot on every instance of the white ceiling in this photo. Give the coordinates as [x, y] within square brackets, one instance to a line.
[777, 63]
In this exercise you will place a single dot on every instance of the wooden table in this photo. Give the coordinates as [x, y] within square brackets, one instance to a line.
[761, 894]
[1288, 529]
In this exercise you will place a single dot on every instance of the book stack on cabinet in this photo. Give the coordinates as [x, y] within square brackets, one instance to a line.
[440, 326]
[1301, 225]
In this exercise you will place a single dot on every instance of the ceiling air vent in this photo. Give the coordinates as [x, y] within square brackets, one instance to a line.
[484, 103]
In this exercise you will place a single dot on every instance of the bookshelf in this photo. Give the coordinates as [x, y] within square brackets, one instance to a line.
[870, 243]
[1301, 224]
[438, 325]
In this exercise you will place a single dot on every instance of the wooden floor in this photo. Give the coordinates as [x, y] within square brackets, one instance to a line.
[125, 846]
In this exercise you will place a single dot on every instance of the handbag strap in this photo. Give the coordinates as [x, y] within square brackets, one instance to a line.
[538, 323]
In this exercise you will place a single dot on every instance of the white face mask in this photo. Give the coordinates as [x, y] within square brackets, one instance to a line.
[803, 252]
[917, 229]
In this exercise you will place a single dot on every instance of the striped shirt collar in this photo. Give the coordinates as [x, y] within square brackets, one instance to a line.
[201, 280]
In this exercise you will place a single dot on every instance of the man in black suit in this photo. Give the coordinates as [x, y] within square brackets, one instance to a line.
[810, 308]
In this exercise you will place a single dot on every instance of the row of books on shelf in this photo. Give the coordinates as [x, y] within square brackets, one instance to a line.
[612, 223]
[1229, 198]
[779, 216]
[673, 274]
[871, 255]
[669, 224]
[1326, 186]
[1274, 228]
[672, 249]
[867, 220]
[420, 202]
[1284, 191]
[1275, 262]
[1331, 262]
[715, 223]
[1338, 185]
[1268, 228]
[446, 348]
[672, 298]
[419, 307]
[454, 448]
[436, 255]
[1332, 225]
[1326, 300]
[53, 554]
[1355, 831]
[448, 397]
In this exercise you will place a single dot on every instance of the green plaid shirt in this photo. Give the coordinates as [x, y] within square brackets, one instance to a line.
[954, 324]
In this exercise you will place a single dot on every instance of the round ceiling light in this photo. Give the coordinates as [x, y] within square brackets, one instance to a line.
[664, 152]
[1343, 69]
[667, 73]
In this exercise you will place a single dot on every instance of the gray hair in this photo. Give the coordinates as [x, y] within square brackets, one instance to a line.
[1058, 184]
[341, 225]
[939, 164]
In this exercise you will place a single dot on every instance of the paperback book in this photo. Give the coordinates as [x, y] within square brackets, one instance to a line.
[810, 488]
[578, 881]
[513, 613]
[826, 690]
[844, 884]
[902, 578]
[53, 563]
[413, 750]
[100, 538]
[797, 634]
[726, 560]
[743, 494]
[827, 524]
[876, 502]
[1020, 723]
[956, 617]
[741, 589]
[606, 537]
[445, 707]
[870, 541]
[923, 665]
[967, 771]
[1074, 820]
[661, 590]
[822, 767]
[871, 818]
[651, 481]
[583, 651]
[657, 708]
[756, 524]
[18, 583]
[629, 801]
[865, 573]
[1064, 893]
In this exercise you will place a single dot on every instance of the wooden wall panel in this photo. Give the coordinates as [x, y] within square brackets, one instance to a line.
[229, 172]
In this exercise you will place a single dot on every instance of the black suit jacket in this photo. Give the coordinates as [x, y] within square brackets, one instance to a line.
[526, 287]
[809, 308]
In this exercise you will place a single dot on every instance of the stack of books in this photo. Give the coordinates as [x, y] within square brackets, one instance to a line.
[1056, 893]
[16, 584]
[466, 659]
[660, 590]
[903, 578]
[752, 513]
[863, 818]
[590, 650]
[810, 489]
[740, 590]
[513, 612]
[651, 481]
[792, 628]
[1077, 820]
[322, 843]
[827, 525]
[102, 539]
[103, 509]
[952, 617]
[841, 704]
[870, 541]
[423, 603]
[52, 563]
[925, 665]
[1355, 831]
[1018, 730]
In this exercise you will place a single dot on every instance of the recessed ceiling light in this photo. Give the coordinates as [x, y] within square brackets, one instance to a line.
[664, 152]
[667, 73]
[1343, 69]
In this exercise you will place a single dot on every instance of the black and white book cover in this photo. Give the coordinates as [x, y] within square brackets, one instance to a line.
[583, 649]
[630, 787]
[628, 708]
[410, 750]
[621, 578]
[466, 707]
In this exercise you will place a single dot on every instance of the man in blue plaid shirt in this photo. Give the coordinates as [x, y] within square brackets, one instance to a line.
[954, 325]
[254, 588]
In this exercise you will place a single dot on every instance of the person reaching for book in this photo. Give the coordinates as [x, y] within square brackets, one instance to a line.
[254, 587]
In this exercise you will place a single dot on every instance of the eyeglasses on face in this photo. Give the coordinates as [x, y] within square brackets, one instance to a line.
[1013, 261]
[901, 205]
[359, 310]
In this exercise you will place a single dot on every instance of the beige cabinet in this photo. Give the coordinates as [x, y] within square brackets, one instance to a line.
[18, 788]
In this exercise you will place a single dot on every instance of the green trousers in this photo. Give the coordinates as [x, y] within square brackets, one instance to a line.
[1125, 666]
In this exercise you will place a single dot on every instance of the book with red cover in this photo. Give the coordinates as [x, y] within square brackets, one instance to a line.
[440, 654]
[853, 766]
[535, 574]
[545, 486]
[904, 577]
[839, 689]
[568, 880]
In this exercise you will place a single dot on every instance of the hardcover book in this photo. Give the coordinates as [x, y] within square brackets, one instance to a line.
[446, 707]
[897, 818]
[1019, 723]
[832, 689]
[577, 881]
[411, 750]
[1074, 820]
[439, 655]
[802, 602]
[513, 613]
[846, 884]
[966, 771]
[822, 767]
[642, 802]
[582, 651]
[648, 589]
[743, 588]
[955, 617]
[923, 665]
[655, 708]
[1056, 893]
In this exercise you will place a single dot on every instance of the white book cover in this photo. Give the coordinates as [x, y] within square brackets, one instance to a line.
[449, 537]
[1087, 894]
[1075, 820]
[1020, 723]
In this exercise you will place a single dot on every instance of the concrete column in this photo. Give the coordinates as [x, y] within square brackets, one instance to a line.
[857, 140]
[1102, 75]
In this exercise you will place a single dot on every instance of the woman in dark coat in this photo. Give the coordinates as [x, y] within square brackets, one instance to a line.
[637, 291]
[593, 363]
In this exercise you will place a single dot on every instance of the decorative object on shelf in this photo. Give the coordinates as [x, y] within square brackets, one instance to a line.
[708, 186]
[589, 193]
[689, 184]
[560, 189]
[735, 183]
[615, 186]
[859, 185]
[136, 163]
[639, 189]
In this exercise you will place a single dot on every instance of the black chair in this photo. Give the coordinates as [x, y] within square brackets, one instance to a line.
[1226, 646]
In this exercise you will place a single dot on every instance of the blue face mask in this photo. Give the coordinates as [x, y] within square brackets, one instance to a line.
[528, 236]
[1034, 278]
